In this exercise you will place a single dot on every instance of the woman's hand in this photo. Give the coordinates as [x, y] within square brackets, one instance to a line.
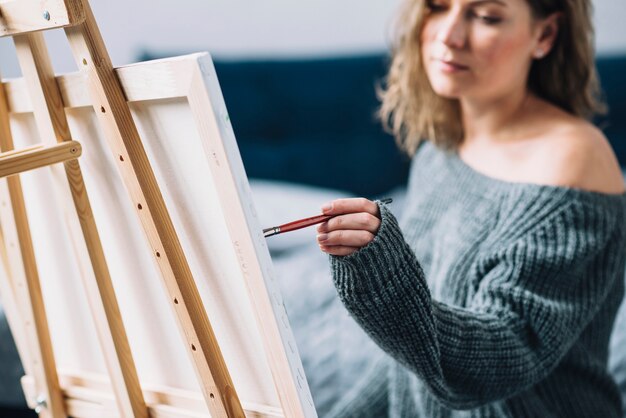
[355, 225]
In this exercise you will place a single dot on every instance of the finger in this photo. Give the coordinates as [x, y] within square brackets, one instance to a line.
[353, 205]
[346, 238]
[354, 221]
[338, 250]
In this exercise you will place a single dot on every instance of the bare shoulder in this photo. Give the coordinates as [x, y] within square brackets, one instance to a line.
[577, 154]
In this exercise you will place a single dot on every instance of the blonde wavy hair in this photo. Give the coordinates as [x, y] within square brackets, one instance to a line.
[566, 77]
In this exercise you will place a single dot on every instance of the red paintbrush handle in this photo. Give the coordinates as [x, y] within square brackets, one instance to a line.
[303, 223]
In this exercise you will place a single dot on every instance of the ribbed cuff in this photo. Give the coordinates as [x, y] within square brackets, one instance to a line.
[366, 270]
[383, 287]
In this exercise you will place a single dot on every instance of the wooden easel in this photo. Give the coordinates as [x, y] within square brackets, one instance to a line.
[24, 20]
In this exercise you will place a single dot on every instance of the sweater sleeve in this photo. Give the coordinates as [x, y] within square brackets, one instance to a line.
[536, 295]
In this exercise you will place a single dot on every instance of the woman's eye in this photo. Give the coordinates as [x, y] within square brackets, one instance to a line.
[489, 20]
[434, 7]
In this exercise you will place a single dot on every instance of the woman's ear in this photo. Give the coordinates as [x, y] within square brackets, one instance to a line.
[546, 31]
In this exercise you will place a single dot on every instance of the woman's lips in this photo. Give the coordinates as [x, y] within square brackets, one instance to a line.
[451, 66]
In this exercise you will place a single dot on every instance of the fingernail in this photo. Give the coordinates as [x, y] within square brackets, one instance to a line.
[327, 207]
[322, 237]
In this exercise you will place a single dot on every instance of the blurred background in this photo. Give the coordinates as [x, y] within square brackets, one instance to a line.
[298, 78]
[244, 29]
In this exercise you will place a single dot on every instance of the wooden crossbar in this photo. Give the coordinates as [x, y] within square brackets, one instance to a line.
[24, 16]
[22, 150]
[15, 162]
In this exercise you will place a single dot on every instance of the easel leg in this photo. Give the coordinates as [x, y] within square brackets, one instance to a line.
[27, 289]
[28, 294]
[7, 292]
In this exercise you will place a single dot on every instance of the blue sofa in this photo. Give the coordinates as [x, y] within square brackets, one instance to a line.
[312, 121]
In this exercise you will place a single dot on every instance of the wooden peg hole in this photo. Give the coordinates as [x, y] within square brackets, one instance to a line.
[193, 347]
[139, 206]
[175, 301]
[212, 396]
[158, 254]
[102, 109]
[84, 61]
[121, 158]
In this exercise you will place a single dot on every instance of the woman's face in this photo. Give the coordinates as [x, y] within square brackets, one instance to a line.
[478, 49]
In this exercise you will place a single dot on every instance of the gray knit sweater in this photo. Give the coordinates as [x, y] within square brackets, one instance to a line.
[493, 299]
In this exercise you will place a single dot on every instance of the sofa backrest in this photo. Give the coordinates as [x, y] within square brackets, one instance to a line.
[313, 122]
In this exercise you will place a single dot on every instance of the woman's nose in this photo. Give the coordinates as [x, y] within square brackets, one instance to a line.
[453, 31]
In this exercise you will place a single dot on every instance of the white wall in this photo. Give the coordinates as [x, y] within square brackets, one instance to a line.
[257, 28]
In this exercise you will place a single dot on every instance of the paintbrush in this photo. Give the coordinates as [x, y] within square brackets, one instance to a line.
[303, 223]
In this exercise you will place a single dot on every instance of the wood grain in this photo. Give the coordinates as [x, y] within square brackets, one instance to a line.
[12, 163]
[24, 16]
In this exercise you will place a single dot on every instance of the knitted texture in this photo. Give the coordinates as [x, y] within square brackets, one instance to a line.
[493, 299]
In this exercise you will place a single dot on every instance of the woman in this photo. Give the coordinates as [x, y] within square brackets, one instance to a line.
[497, 295]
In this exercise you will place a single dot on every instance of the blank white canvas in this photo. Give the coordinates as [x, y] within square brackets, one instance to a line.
[182, 167]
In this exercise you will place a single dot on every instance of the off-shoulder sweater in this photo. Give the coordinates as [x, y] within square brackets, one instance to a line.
[491, 299]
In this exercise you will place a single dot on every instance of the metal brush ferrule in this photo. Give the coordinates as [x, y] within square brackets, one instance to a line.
[268, 232]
